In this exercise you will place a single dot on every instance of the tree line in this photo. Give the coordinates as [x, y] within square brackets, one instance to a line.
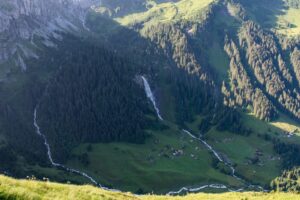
[92, 98]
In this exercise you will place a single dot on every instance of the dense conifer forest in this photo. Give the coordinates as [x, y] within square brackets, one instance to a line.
[223, 74]
[94, 97]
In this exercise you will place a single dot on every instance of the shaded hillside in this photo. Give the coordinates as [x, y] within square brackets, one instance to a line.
[94, 97]
[288, 181]
[271, 70]
[226, 70]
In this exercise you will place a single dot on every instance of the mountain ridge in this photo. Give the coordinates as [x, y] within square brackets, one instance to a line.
[211, 65]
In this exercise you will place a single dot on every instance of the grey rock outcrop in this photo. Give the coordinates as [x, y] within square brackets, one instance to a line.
[22, 21]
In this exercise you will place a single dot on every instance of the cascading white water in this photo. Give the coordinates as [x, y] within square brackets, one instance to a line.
[214, 152]
[38, 131]
[184, 189]
[151, 96]
[226, 163]
[207, 145]
[213, 186]
[84, 22]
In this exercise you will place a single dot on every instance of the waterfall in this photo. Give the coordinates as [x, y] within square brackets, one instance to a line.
[151, 96]
[183, 189]
[84, 22]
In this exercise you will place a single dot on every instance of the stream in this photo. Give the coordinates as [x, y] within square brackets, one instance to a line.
[49, 154]
[217, 155]
[151, 97]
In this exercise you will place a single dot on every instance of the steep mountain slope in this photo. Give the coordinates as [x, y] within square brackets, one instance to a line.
[245, 63]
[223, 80]
[267, 65]
[94, 97]
[26, 24]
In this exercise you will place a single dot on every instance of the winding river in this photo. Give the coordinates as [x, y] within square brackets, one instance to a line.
[215, 186]
[151, 97]
[58, 165]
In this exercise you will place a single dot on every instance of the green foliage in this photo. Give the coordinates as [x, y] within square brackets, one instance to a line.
[289, 153]
[280, 16]
[152, 166]
[169, 12]
[191, 96]
[6, 6]
[92, 98]
[295, 61]
[230, 120]
[19, 93]
[287, 182]
[7, 157]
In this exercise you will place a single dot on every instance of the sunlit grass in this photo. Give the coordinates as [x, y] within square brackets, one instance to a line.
[165, 12]
[287, 125]
[31, 190]
[289, 23]
[240, 149]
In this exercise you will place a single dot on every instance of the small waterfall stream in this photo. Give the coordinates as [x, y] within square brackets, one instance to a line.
[217, 155]
[213, 186]
[214, 152]
[53, 163]
[151, 96]
[84, 22]
[180, 191]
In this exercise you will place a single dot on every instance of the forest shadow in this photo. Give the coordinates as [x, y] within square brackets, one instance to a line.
[265, 12]
[121, 8]
[127, 43]
[124, 41]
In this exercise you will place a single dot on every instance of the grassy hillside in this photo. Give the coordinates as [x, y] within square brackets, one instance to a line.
[28, 190]
[153, 166]
[149, 170]
[167, 12]
[276, 14]
[162, 171]
[240, 150]
[161, 168]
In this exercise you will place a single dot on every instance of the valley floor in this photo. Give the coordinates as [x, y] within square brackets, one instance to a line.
[168, 161]
[171, 159]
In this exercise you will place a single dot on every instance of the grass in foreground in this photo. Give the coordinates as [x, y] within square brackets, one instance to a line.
[28, 190]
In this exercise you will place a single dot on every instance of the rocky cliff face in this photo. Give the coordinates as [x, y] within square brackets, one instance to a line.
[22, 20]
